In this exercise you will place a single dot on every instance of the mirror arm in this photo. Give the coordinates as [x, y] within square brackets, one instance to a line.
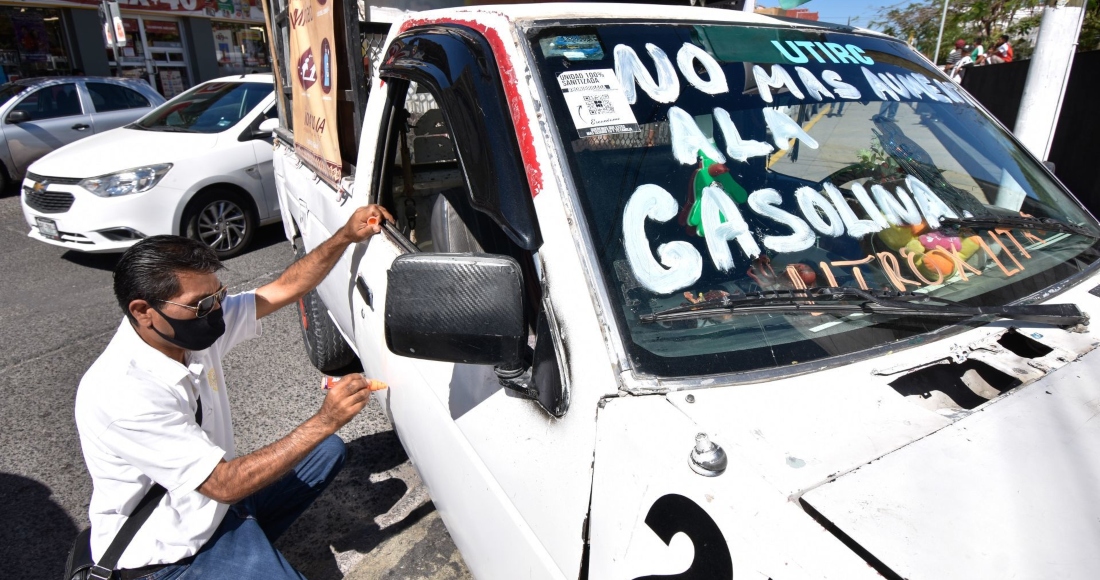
[518, 379]
[519, 384]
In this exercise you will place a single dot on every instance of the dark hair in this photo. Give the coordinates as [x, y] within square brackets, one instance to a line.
[1004, 37]
[149, 269]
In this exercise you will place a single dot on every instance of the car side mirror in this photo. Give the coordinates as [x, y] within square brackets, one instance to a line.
[265, 128]
[460, 308]
[16, 117]
[1049, 165]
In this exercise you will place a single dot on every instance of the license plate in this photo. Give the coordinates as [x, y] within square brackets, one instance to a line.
[48, 228]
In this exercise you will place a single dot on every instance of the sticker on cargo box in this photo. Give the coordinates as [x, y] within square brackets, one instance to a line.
[596, 103]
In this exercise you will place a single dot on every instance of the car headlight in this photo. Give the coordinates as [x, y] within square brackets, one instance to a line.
[125, 182]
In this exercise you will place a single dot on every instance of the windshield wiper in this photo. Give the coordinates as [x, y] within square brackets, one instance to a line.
[1042, 224]
[169, 129]
[852, 300]
[136, 126]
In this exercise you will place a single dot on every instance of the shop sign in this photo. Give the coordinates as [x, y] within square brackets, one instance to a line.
[314, 80]
[240, 10]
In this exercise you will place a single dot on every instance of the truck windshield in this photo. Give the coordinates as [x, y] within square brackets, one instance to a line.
[207, 108]
[718, 161]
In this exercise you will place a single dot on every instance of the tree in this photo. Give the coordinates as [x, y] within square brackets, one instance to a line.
[919, 22]
[1090, 32]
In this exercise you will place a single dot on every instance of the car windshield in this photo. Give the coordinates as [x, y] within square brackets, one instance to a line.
[718, 161]
[207, 108]
[9, 91]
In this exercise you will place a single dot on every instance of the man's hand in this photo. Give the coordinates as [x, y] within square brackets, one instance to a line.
[236, 479]
[345, 399]
[364, 223]
[305, 274]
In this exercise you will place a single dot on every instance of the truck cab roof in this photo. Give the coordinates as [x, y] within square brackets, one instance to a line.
[595, 10]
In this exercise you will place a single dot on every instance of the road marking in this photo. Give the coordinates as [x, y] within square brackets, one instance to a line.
[809, 125]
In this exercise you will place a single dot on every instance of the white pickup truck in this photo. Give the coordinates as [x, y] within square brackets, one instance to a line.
[689, 293]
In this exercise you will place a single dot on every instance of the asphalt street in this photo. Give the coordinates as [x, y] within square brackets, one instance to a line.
[58, 312]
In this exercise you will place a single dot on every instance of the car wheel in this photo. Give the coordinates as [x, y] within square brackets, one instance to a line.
[325, 346]
[223, 220]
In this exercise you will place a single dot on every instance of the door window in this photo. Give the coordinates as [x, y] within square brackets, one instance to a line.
[109, 97]
[423, 184]
[51, 102]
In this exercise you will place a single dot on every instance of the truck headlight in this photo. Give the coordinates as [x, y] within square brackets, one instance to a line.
[128, 181]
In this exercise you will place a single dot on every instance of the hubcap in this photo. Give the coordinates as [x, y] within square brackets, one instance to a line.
[222, 225]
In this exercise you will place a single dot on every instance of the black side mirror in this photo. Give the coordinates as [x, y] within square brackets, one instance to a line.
[16, 117]
[461, 308]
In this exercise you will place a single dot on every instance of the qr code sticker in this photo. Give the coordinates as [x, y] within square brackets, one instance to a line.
[599, 104]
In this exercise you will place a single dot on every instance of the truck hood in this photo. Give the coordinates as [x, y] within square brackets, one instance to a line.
[975, 459]
[121, 149]
[1008, 492]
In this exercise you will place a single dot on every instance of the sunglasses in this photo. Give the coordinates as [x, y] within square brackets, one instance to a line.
[206, 305]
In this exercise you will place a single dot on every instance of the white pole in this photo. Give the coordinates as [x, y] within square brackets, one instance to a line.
[114, 38]
[1048, 74]
[750, 6]
[939, 39]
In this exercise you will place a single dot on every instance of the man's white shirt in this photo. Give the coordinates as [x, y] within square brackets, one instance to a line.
[135, 411]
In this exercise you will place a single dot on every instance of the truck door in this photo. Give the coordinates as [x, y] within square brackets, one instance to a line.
[422, 184]
[491, 459]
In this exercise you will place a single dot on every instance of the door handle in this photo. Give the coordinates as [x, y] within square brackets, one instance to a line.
[364, 291]
[81, 126]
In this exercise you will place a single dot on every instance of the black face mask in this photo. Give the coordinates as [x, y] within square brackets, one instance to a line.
[194, 333]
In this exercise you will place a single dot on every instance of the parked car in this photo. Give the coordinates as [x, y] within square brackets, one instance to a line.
[42, 114]
[198, 165]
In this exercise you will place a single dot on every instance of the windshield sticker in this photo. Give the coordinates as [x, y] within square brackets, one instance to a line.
[800, 51]
[573, 47]
[596, 103]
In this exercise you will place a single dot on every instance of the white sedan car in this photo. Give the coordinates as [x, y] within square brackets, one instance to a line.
[198, 165]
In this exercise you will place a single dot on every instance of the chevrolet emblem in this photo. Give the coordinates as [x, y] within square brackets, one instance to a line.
[40, 186]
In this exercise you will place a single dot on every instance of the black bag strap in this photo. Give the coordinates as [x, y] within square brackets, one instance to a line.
[137, 519]
[130, 529]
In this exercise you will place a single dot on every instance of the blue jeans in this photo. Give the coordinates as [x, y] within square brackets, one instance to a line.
[241, 546]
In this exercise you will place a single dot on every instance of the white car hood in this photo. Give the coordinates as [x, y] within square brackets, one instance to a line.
[121, 149]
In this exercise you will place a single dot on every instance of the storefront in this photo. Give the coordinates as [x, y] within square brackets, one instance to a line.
[153, 51]
[241, 48]
[33, 43]
[170, 44]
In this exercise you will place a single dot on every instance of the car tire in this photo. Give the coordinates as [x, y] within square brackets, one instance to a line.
[325, 346]
[222, 219]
